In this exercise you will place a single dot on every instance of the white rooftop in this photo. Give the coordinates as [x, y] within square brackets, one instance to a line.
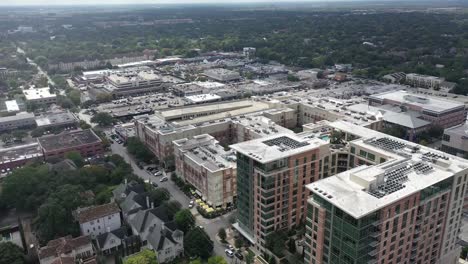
[12, 106]
[351, 190]
[38, 93]
[276, 147]
[199, 98]
[425, 102]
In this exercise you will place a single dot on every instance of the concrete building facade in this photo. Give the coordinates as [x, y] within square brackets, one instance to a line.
[397, 203]
[203, 162]
[272, 174]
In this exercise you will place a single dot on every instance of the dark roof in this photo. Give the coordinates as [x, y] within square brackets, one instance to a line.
[157, 239]
[62, 245]
[134, 202]
[126, 189]
[68, 140]
[87, 214]
[121, 233]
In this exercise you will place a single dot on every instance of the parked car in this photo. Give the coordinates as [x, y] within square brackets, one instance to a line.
[191, 204]
[229, 253]
[163, 179]
[155, 185]
[239, 255]
[158, 173]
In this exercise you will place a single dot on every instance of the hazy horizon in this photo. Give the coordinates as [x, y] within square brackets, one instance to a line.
[130, 2]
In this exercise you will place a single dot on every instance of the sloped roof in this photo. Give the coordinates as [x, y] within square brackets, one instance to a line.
[405, 119]
[61, 245]
[119, 233]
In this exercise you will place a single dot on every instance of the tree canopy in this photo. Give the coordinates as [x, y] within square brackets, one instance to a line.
[198, 243]
[145, 256]
[11, 254]
[102, 119]
[184, 220]
[139, 150]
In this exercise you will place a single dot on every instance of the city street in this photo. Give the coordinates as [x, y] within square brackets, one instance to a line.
[211, 226]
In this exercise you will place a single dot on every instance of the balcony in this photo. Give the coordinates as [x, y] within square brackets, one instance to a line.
[373, 244]
[373, 253]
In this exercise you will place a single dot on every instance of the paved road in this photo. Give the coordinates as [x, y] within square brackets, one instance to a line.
[211, 226]
[39, 69]
[175, 192]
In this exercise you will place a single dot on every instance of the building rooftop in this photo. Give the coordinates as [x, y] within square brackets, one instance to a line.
[218, 107]
[200, 98]
[38, 93]
[409, 168]
[461, 130]
[425, 102]
[22, 152]
[91, 213]
[205, 151]
[68, 139]
[18, 116]
[56, 118]
[12, 106]
[276, 147]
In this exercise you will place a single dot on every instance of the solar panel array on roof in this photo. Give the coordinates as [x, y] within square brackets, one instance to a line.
[432, 156]
[393, 181]
[422, 167]
[285, 142]
[387, 143]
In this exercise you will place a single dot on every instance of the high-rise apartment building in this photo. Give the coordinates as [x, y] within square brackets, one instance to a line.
[399, 202]
[272, 175]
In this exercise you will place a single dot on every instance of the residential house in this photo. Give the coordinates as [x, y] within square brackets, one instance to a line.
[118, 241]
[66, 248]
[97, 220]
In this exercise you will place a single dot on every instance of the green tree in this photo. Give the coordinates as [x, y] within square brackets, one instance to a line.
[184, 220]
[37, 132]
[293, 78]
[249, 259]
[55, 215]
[276, 243]
[74, 96]
[198, 243]
[84, 125]
[139, 150]
[238, 242]
[145, 256]
[103, 119]
[103, 98]
[217, 260]
[6, 137]
[171, 207]
[11, 254]
[196, 261]
[222, 235]
[158, 196]
[19, 134]
[42, 62]
[75, 156]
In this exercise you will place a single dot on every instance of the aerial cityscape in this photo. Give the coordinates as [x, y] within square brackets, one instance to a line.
[222, 132]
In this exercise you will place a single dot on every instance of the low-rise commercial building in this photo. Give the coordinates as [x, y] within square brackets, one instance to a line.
[40, 96]
[222, 75]
[425, 81]
[86, 142]
[57, 120]
[455, 140]
[203, 162]
[18, 156]
[440, 112]
[20, 120]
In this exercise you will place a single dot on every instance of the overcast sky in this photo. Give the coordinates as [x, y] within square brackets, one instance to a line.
[93, 2]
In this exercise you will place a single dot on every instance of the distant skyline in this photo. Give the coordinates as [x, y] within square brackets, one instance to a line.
[129, 2]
